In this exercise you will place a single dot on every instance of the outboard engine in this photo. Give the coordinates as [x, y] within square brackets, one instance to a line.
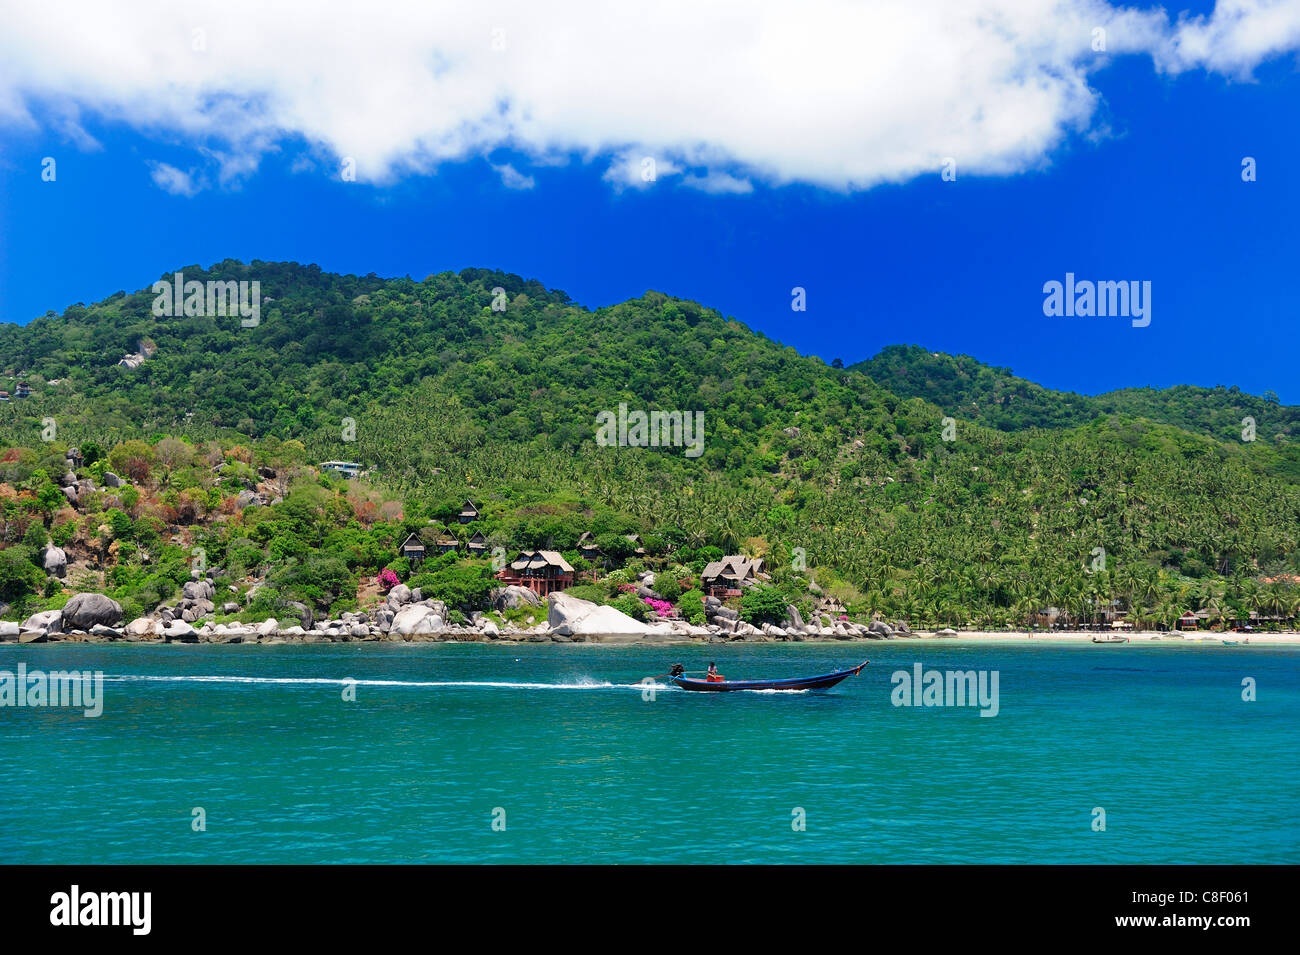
[677, 670]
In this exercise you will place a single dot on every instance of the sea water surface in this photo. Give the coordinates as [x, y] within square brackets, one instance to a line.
[443, 740]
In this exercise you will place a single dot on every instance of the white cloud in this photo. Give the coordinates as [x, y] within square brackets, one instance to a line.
[170, 179]
[637, 167]
[719, 183]
[512, 178]
[1237, 36]
[835, 93]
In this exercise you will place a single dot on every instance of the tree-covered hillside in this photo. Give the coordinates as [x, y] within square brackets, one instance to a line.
[448, 389]
[996, 397]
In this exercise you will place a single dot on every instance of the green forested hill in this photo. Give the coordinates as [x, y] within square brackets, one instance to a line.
[449, 398]
[996, 397]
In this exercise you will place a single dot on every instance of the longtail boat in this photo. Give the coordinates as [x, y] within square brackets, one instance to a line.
[678, 675]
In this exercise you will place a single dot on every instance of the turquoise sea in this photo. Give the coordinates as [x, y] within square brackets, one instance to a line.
[443, 739]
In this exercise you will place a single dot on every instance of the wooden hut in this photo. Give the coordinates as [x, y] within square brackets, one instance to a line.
[725, 578]
[446, 541]
[413, 549]
[541, 571]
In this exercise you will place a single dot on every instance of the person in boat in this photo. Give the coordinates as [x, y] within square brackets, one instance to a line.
[713, 675]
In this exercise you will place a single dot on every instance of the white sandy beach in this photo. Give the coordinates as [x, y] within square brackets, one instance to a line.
[1284, 639]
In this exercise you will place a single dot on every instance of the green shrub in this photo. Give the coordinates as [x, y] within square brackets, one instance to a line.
[631, 605]
[615, 546]
[316, 579]
[146, 531]
[691, 606]
[762, 605]
[463, 586]
[19, 576]
[63, 534]
[122, 525]
[243, 557]
[36, 537]
[267, 602]
[132, 609]
[667, 588]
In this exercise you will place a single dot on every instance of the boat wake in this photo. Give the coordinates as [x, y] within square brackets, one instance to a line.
[579, 684]
[773, 690]
[323, 681]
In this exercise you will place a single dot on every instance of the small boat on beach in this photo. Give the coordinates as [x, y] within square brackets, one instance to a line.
[1110, 638]
[678, 675]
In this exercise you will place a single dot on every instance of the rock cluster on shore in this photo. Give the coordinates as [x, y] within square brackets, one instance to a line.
[406, 615]
[726, 622]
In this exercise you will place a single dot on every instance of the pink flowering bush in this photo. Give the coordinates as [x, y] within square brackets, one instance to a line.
[387, 579]
[661, 607]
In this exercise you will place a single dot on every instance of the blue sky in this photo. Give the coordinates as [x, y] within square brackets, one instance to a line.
[1148, 188]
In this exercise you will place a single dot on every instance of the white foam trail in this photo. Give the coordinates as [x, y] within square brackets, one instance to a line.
[310, 681]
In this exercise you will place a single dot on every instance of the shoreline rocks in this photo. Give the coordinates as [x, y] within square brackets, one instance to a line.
[49, 627]
[405, 617]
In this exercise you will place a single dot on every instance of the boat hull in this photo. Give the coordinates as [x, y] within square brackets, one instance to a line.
[822, 682]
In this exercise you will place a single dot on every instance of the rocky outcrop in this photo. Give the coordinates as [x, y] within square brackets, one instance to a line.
[83, 611]
[55, 561]
[305, 613]
[568, 616]
[48, 621]
[418, 618]
[178, 631]
[198, 590]
[192, 610]
[143, 627]
[514, 598]
[398, 597]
